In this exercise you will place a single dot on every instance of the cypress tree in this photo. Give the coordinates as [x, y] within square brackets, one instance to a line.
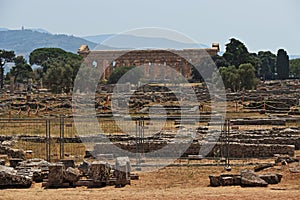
[282, 64]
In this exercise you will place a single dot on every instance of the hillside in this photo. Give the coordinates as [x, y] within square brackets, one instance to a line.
[25, 41]
[132, 41]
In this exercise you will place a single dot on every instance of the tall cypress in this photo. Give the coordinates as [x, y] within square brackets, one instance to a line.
[282, 64]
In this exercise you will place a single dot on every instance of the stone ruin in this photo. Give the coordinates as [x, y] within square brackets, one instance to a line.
[242, 143]
[247, 178]
[253, 178]
[90, 174]
[9, 178]
[21, 174]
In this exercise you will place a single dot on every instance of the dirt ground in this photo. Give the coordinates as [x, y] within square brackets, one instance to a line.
[170, 183]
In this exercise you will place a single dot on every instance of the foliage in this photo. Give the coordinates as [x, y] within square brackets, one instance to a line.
[203, 70]
[5, 56]
[247, 76]
[237, 79]
[220, 61]
[256, 62]
[295, 67]
[87, 78]
[236, 53]
[282, 64]
[59, 68]
[22, 70]
[59, 77]
[230, 77]
[119, 72]
[268, 60]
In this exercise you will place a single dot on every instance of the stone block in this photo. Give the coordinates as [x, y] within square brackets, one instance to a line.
[251, 179]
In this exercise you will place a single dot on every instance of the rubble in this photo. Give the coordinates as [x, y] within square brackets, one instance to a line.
[14, 162]
[94, 174]
[247, 178]
[84, 167]
[99, 171]
[263, 166]
[271, 178]
[56, 175]
[251, 179]
[38, 168]
[71, 175]
[285, 159]
[225, 180]
[122, 171]
[13, 153]
[9, 178]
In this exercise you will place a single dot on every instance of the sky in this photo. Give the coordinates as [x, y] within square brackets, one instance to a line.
[260, 24]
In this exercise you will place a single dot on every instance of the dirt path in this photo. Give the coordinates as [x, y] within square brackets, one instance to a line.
[168, 183]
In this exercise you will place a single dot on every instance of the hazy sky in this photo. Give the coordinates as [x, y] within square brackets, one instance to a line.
[260, 24]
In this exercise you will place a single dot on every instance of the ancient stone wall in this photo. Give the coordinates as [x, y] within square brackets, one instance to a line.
[236, 150]
[180, 60]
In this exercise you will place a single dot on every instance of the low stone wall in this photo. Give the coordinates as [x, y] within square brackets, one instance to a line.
[162, 149]
[281, 141]
[275, 122]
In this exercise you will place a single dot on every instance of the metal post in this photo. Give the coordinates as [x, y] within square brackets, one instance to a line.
[137, 133]
[227, 168]
[142, 135]
[62, 137]
[48, 140]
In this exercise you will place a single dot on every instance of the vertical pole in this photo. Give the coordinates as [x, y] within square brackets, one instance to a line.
[222, 140]
[48, 140]
[226, 142]
[227, 168]
[137, 139]
[228, 130]
[142, 135]
[62, 137]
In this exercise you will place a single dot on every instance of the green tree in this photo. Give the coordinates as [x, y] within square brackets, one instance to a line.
[282, 64]
[132, 77]
[59, 68]
[41, 56]
[87, 78]
[237, 79]
[295, 67]
[256, 62]
[247, 76]
[231, 78]
[236, 53]
[268, 60]
[59, 78]
[45, 57]
[5, 56]
[220, 61]
[21, 70]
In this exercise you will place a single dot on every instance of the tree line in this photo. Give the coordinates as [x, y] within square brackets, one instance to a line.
[241, 69]
[238, 68]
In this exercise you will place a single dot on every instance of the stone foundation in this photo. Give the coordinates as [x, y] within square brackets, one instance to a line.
[236, 150]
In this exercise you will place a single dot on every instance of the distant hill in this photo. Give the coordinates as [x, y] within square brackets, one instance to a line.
[25, 41]
[291, 57]
[131, 41]
[3, 29]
